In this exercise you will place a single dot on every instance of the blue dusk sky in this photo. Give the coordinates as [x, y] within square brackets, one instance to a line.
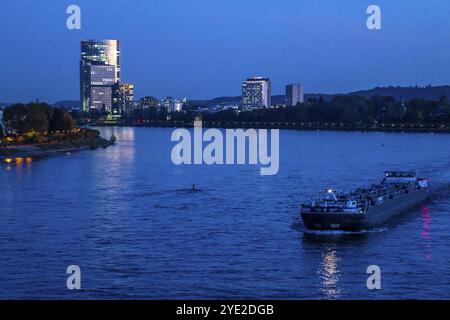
[205, 48]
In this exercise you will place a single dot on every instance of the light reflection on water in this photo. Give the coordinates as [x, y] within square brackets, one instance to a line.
[329, 274]
[426, 233]
[18, 165]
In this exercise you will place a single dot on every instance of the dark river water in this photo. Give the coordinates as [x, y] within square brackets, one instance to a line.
[127, 217]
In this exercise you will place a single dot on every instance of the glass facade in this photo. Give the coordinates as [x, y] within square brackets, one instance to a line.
[102, 75]
[101, 98]
[99, 66]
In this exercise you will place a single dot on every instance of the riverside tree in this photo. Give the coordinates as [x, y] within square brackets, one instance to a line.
[61, 120]
[35, 117]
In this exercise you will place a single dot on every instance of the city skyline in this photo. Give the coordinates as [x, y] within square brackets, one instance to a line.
[203, 50]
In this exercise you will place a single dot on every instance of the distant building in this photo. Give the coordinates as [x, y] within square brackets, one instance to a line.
[168, 104]
[99, 71]
[294, 94]
[438, 113]
[403, 107]
[149, 102]
[186, 104]
[123, 96]
[256, 93]
[178, 106]
[230, 106]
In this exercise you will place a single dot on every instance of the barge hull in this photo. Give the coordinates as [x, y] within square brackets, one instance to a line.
[376, 215]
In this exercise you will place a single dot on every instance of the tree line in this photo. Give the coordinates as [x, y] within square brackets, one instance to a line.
[350, 110]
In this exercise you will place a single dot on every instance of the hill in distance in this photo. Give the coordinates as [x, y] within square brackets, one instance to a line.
[67, 104]
[407, 93]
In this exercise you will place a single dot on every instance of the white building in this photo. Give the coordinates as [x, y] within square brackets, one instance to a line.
[256, 93]
[178, 106]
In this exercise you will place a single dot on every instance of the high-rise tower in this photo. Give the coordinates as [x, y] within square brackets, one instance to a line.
[99, 71]
[256, 93]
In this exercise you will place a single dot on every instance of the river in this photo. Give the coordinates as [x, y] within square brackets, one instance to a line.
[127, 217]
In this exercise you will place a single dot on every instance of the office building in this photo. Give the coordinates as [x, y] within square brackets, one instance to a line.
[149, 102]
[122, 96]
[168, 104]
[256, 93]
[99, 69]
[294, 94]
[178, 106]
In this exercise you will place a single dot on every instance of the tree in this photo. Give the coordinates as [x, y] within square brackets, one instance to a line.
[61, 120]
[36, 117]
[24, 118]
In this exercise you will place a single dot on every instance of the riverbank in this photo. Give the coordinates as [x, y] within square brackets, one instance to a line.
[406, 128]
[64, 143]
